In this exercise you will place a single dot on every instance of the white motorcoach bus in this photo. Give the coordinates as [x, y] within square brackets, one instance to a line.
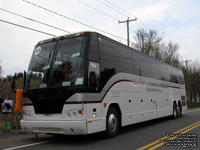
[85, 83]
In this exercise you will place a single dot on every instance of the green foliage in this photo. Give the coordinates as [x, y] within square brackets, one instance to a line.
[35, 82]
[5, 89]
[1, 71]
[16, 117]
[192, 81]
[5, 85]
[193, 105]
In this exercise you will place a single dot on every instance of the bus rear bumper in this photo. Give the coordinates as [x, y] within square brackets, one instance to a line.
[55, 127]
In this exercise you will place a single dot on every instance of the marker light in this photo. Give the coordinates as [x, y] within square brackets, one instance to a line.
[80, 112]
[94, 115]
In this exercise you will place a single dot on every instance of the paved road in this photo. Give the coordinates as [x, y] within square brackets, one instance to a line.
[130, 138]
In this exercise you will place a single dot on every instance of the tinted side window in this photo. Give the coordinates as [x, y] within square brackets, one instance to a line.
[139, 64]
[152, 69]
[93, 49]
[123, 60]
[106, 61]
[164, 72]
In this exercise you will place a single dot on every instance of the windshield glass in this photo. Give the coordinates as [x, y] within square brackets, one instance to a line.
[68, 67]
[39, 64]
[60, 65]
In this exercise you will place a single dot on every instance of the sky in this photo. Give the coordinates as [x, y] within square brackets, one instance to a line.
[176, 20]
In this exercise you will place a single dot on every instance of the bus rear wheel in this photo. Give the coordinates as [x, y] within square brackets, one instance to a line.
[179, 113]
[175, 111]
[112, 123]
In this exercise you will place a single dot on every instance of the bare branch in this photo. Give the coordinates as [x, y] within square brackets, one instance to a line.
[148, 42]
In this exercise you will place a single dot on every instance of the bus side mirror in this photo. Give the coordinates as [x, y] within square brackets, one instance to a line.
[92, 79]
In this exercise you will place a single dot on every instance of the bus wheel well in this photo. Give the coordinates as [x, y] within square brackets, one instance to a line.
[174, 103]
[116, 106]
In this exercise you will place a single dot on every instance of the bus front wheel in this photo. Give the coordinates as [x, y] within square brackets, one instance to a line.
[112, 122]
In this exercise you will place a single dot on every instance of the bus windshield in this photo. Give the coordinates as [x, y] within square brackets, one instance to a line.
[57, 64]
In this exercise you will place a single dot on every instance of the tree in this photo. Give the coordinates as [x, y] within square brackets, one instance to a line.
[170, 53]
[151, 43]
[1, 71]
[192, 81]
[148, 42]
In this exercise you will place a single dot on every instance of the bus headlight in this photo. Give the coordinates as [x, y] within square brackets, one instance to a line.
[69, 114]
[27, 114]
[74, 113]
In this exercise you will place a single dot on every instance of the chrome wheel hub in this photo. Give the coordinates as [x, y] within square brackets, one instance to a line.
[112, 122]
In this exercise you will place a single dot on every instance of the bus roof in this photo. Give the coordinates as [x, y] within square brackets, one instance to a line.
[66, 36]
[103, 36]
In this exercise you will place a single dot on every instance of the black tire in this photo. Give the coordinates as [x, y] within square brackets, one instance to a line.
[180, 110]
[112, 123]
[175, 112]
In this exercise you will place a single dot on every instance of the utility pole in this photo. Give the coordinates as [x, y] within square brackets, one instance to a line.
[127, 21]
[186, 63]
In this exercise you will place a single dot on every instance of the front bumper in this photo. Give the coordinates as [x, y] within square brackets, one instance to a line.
[55, 127]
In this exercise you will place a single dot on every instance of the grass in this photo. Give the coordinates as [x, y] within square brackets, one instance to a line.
[193, 105]
[16, 117]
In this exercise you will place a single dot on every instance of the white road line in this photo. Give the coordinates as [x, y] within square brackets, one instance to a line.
[27, 145]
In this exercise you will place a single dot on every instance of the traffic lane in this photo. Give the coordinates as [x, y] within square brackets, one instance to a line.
[19, 140]
[181, 137]
[189, 140]
[171, 126]
[131, 137]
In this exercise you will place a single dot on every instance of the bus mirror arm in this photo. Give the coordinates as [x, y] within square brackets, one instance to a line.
[92, 79]
[24, 80]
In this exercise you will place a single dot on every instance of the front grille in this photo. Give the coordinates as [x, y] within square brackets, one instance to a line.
[49, 101]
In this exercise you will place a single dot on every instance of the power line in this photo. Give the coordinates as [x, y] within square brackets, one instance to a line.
[126, 12]
[102, 11]
[119, 8]
[116, 10]
[84, 24]
[33, 20]
[25, 27]
[99, 11]
[96, 9]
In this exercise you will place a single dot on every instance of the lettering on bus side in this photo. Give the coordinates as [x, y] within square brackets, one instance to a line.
[154, 90]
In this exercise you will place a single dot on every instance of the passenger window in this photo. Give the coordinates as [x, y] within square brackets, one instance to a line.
[123, 60]
[106, 60]
[94, 69]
